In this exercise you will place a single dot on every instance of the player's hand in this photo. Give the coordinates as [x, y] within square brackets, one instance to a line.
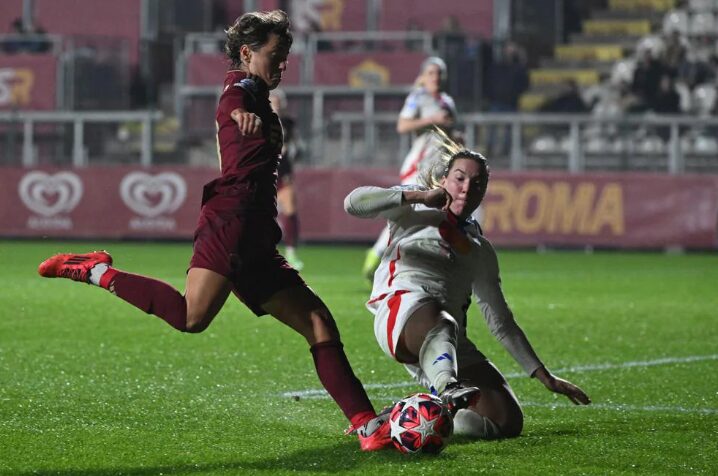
[442, 118]
[437, 198]
[248, 123]
[564, 387]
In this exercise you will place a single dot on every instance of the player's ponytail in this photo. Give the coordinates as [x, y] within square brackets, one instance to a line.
[449, 151]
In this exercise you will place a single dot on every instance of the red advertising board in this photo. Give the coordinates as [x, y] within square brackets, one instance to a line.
[521, 209]
[627, 210]
[28, 81]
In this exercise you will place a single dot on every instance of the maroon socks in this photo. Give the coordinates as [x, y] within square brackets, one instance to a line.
[150, 295]
[339, 380]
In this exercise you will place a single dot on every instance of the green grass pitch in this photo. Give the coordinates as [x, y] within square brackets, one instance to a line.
[91, 386]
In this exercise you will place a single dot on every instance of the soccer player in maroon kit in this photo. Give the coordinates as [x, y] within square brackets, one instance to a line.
[237, 232]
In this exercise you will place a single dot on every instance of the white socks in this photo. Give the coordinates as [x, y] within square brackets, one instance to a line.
[96, 273]
[437, 357]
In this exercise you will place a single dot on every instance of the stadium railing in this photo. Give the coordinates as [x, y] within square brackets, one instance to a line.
[523, 126]
[79, 121]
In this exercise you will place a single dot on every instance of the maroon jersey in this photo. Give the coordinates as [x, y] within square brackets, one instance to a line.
[248, 164]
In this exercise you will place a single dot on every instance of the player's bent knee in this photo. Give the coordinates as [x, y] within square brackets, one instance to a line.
[324, 328]
[196, 323]
[512, 426]
[511, 423]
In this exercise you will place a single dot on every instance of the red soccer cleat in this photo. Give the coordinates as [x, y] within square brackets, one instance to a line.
[71, 266]
[374, 435]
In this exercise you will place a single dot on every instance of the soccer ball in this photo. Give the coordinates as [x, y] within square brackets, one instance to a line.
[420, 423]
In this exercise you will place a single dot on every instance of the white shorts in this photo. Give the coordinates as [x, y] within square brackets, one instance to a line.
[390, 316]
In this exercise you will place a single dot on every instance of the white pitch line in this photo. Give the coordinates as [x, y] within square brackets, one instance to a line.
[627, 408]
[321, 393]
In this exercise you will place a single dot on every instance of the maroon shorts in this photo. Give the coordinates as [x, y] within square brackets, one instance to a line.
[243, 249]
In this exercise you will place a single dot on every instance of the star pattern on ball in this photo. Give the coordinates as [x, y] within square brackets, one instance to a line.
[396, 428]
[425, 428]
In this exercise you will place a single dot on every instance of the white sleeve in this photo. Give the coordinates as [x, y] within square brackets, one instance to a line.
[412, 105]
[498, 315]
[372, 202]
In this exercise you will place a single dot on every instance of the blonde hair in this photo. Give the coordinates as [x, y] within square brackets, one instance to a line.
[449, 151]
[431, 60]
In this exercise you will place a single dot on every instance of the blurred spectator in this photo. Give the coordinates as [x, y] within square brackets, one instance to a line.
[25, 40]
[667, 100]
[413, 44]
[450, 40]
[675, 53]
[567, 101]
[508, 78]
[697, 70]
[647, 77]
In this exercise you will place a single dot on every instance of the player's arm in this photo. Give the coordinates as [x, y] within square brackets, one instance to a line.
[410, 119]
[442, 118]
[503, 326]
[371, 202]
[248, 123]
[236, 102]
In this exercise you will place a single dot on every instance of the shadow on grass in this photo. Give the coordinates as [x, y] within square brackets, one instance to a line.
[340, 457]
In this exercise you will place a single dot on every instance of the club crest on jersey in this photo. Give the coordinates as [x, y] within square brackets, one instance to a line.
[249, 85]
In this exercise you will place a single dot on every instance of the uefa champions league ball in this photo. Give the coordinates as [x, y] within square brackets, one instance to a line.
[420, 423]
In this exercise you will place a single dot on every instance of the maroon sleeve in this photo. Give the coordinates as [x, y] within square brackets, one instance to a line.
[233, 98]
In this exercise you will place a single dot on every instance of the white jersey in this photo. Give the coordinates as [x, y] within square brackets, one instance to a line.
[421, 104]
[432, 252]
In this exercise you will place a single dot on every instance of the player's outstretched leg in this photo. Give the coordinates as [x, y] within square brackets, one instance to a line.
[206, 291]
[73, 266]
[302, 310]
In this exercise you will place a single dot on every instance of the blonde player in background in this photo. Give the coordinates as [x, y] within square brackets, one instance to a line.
[422, 289]
[426, 107]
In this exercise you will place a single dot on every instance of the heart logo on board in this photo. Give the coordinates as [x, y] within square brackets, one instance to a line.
[49, 195]
[153, 195]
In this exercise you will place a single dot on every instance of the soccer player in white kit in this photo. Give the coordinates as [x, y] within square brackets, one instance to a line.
[427, 106]
[436, 258]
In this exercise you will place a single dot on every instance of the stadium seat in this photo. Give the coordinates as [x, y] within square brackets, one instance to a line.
[704, 98]
[684, 92]
[596, 145]
[650, 144]
[705, 145]
[545, 144]
[652, 43]
[622, 71]
[701, 5]
[676, 20]
[703, 23]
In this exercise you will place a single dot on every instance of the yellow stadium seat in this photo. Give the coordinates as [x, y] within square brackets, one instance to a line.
[529, 102]
[544, 76]
[589, 52]
[632, 5]
[617, 27]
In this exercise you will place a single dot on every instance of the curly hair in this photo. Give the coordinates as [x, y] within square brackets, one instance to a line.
[253, 29]
[449, 152]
